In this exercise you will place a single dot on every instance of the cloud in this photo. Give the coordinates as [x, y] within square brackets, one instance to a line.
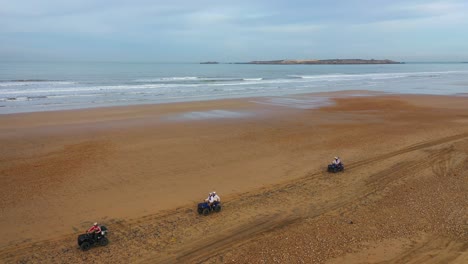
[176, 28]
[437, 8]
[287, 28]
[114, 16]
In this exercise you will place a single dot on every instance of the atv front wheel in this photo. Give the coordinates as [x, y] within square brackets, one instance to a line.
[217, 208]
[103, 241]
[85, 246]
[206, 211]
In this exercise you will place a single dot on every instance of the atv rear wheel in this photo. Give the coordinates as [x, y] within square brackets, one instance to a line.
[206, 211]
[85, 246]
[103, 241]
[200, 210]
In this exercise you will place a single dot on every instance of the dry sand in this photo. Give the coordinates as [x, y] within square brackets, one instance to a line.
[141, 170]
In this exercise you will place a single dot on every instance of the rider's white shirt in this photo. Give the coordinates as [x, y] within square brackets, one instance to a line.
[336, 162]
[216, 198]
[210, 199]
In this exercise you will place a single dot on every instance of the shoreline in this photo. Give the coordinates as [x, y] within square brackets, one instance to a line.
[231, 101]
[197, 102]
[134, 161]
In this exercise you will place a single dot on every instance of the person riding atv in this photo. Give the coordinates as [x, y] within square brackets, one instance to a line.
[212, 203]
[94, 230]
[336, 161]
[336, 165]
[212, 198]
[96, 235]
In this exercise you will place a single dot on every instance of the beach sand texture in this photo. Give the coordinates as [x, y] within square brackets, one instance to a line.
[141, 170]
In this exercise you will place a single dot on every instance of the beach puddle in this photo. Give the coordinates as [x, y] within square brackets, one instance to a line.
[204, 115]
[303, 103]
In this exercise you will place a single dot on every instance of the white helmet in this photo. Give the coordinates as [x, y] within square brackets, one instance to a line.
[336, 157]
[95, 223]
[214, 193]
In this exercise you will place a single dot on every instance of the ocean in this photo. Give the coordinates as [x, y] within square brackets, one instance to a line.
[47, 86]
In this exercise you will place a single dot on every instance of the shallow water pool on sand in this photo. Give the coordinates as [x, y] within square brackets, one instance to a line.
[306, 103]
[210, 114]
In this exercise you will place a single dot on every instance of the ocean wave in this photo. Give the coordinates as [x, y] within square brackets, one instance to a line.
[22, 98]
[47, 90]
[107, 88]
[374, 76]
[344, 77]
[30, 80]
[166, 79]
[39, 97]
[30, 83]
[209, 83]
[19, 98]
[193, 79]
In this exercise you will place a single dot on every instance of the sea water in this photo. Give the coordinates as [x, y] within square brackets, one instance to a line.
[45, 86]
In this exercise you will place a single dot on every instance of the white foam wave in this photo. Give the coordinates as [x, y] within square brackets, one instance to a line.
[29, 83]
[20, 98]
[108, 88]
[339, 77]
[252, 79]
[373, 76]
[166, 79]
[200, 79]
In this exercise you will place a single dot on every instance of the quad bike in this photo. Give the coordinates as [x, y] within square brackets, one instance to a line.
[85, 241]
[205, 208]
[335, 168]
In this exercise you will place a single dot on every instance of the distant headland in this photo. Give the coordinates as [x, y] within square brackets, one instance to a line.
[332, 61]
[209, 62]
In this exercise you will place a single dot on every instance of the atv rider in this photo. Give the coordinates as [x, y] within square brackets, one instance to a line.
[336, 162]
[209, 198]
[95, 230]
[212, 197]
[216, 197]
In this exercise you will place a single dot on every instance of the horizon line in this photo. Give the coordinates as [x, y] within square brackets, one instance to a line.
[218, 62]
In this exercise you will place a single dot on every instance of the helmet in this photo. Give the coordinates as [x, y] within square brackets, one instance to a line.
[214, 193]
[95, 223]
[336, 157]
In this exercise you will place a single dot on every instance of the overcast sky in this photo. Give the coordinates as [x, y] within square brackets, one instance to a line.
[192, 31]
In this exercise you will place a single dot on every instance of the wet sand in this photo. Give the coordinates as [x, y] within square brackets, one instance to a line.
[140, 170]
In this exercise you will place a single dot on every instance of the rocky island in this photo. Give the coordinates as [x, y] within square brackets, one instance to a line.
[209, 62]
[332, 61]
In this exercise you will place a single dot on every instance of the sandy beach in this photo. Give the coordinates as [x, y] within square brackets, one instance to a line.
[141, 170]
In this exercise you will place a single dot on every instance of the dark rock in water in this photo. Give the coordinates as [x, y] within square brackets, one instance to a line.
[209, 62]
